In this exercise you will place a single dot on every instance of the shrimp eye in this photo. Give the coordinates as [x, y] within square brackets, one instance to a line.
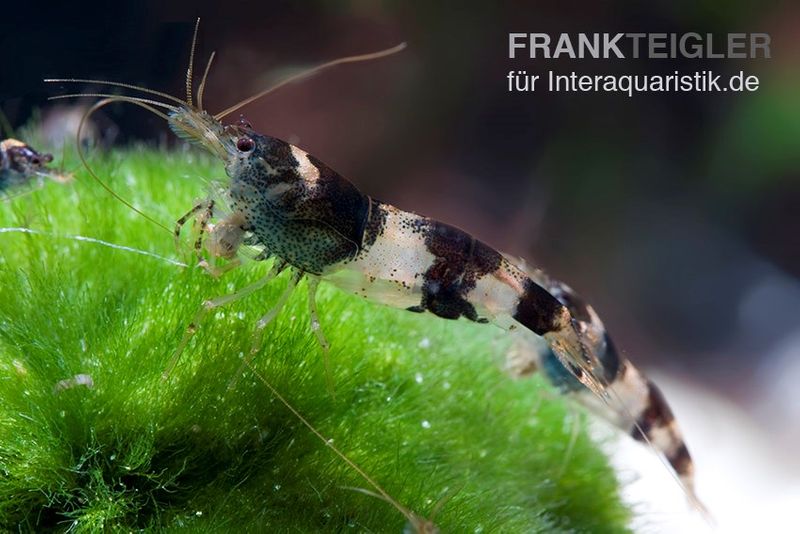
[245, 144]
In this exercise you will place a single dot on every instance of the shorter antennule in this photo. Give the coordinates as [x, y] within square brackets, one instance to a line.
[202, 88]
[191, 64]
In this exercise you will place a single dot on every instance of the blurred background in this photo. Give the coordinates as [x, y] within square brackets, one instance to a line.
[676, 215]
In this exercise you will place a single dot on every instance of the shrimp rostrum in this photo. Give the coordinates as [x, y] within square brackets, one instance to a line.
[318, 225]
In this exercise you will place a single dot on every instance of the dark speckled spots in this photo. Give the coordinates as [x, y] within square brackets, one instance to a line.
[483, 260]
[311, 221]
[460, 261]
[375, 223]
[337, 203]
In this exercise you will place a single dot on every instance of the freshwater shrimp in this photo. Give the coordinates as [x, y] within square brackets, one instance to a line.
[21, 165]
[316, 224]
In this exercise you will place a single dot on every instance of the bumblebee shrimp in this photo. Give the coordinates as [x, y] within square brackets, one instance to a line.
[21, 165]
[319, 226]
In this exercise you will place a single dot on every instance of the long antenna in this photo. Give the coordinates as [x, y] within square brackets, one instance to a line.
[329, 443]
[311, 72]
[93, 240]
[91, 172]
[116, 84]
[121, 98]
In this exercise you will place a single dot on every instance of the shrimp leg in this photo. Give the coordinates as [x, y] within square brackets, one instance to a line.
[186, 216]
[313, 285]
[212, 304]
[268, 317]
[202, 222]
